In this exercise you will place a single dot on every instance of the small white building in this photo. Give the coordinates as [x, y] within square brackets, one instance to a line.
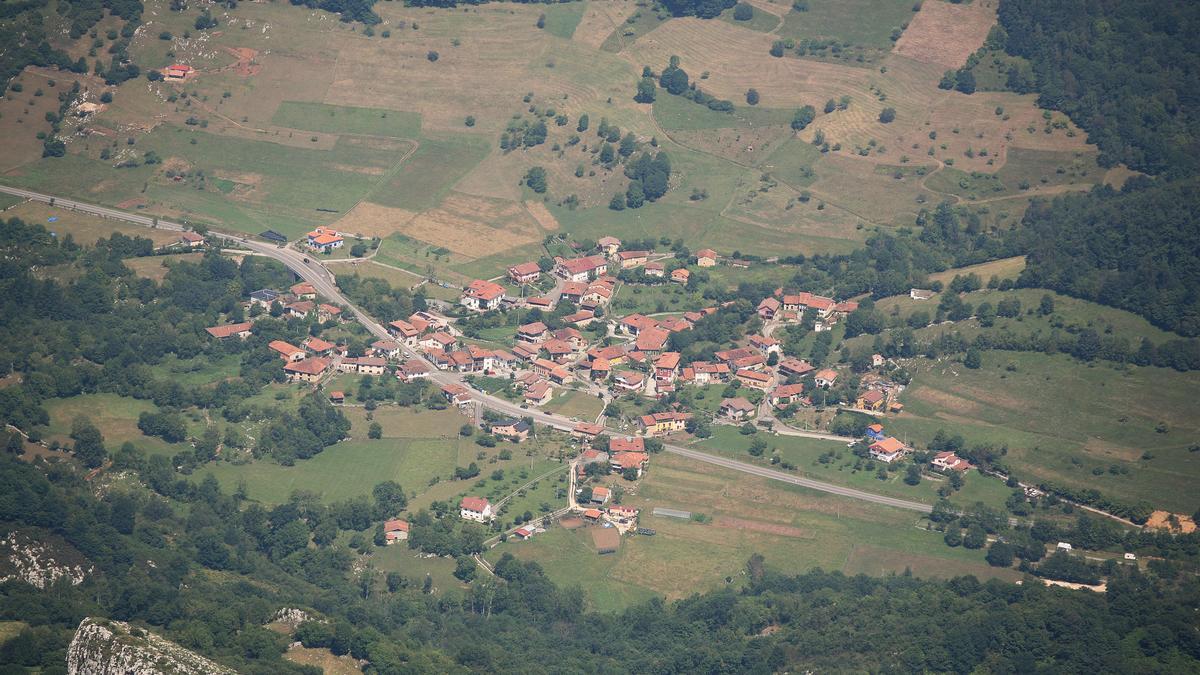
[477, 509]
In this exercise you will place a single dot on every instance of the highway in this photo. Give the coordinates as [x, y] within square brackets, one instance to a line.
[325, 284]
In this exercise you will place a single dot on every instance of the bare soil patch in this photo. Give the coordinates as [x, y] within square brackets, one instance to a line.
[946, 33]
[605, 538]
[474, 226]
[1160, 520]
[571, 523]
[757, 526]
[131, 203]
[246, 66]
[372, 220]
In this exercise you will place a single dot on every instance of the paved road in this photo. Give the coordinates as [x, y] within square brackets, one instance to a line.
[324, 282]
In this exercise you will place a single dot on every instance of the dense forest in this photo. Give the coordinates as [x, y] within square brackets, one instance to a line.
[1127, 72]
[1136, 249]
[519, 621]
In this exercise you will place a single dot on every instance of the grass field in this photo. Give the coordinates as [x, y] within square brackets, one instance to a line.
[575, 404]
[795, 529]
[8, 201]
[115, 416]
[804, 453]
[847, 21]
[761, 21]
[563, 18]
[11, 629]
[336, 119]
[199, 370]
[84, 229]
[156, 267]
[1062, 419]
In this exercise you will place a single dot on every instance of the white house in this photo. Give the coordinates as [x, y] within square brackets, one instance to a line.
[476, 508]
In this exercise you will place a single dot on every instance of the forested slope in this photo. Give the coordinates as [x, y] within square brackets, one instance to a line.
[1127, 72]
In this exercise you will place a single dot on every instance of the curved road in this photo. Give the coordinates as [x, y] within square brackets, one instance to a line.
[324, 282]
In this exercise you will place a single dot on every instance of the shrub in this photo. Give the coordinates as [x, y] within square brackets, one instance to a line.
[743, 12]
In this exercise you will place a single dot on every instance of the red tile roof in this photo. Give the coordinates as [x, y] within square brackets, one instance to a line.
[618, 444]
[473, 504]
[229, 329]
[313, 366]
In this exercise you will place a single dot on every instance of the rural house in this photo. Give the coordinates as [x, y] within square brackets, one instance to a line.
[238, 330]
[706, 257]
[663, 422]
[324, 240]
[308, 370]
[948, 461]
[580, 269]
[395, 530]
[286, 351]
[476, 508]
[888, 450]
[525, 273]
[737, 408]
[517, 430]
[482, 296]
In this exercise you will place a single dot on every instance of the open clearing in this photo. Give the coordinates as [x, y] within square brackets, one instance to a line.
[946, 33]
[156, 266]
[1061, 419]
[795, 529]
[83, 228]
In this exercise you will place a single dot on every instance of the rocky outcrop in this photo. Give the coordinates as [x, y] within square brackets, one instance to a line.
[40, 560]
[104, 647]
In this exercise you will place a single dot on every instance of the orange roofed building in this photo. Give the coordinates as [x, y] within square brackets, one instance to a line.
[324, 240]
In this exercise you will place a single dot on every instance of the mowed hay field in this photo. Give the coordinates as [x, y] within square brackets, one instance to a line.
[84, 228]
[946, 33]
[795, 529]
[1062, 419]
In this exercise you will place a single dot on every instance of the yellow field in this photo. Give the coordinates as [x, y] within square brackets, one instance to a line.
[84, 228]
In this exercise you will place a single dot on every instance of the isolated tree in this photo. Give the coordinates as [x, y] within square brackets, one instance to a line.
[743, 12]
[375, 431]
[674, 79]
[89, 443]
[535, 178]
[541, 22]
[607, 154]
[975, 538]
[777, 48]
[432, 56]
[804, 117]
[470, 121]
[887, 115]
[830, 106]
[913, 475]
[973, 359]
[464, 569]
[583, 123]
[646, 90]
[752, 96]
[1000, 554]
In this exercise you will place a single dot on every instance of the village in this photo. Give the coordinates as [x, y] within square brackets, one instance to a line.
[572, 345]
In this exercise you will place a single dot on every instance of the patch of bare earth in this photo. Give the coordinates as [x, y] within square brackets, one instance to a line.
[945, 33]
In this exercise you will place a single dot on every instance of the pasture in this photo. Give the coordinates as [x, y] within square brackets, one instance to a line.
[796, 529]
[1127, 431]
[83, 228]
[115, 416]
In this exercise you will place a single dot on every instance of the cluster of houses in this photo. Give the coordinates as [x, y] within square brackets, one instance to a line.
[587, 281]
